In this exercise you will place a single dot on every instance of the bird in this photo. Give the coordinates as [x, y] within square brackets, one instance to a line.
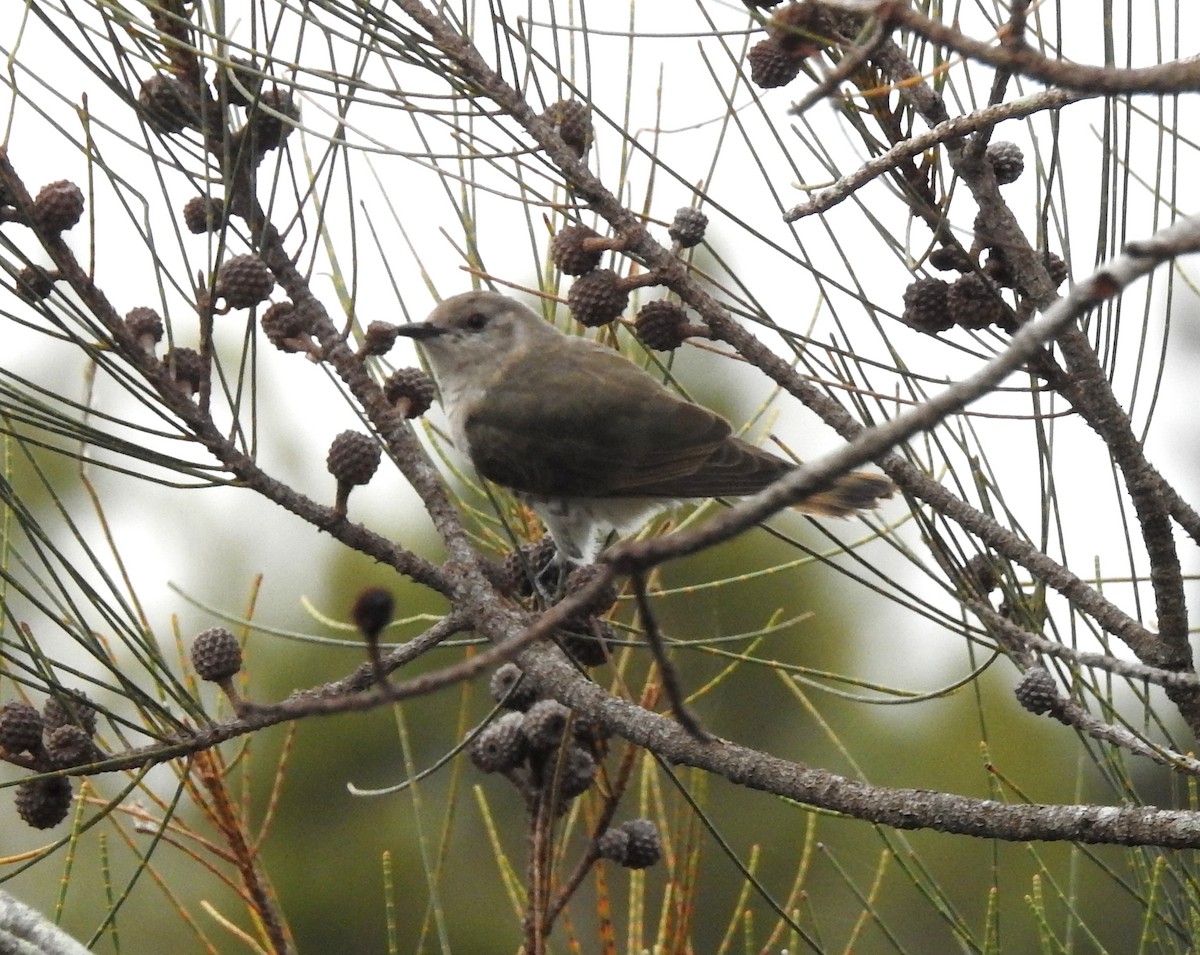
[583, 435]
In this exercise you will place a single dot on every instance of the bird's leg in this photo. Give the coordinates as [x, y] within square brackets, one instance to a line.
[666, 669]
[550, 582]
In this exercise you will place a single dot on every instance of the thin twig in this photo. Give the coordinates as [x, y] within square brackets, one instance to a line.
[918, 143]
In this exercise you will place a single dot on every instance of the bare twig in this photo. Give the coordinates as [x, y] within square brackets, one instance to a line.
[1177, 76]
[943, 132]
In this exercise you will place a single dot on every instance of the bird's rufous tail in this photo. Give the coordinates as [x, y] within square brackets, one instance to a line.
[853, 492]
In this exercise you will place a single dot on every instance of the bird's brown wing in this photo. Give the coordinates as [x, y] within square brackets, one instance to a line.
[586, 422]
[590, 423]
[732, 468]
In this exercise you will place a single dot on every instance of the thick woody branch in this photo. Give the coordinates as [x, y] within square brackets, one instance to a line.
[900, 808]
[1177, 76]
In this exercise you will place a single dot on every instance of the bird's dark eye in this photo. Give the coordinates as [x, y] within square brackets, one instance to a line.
[475, 321]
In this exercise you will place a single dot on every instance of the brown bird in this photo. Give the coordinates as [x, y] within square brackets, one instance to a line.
[589, 440]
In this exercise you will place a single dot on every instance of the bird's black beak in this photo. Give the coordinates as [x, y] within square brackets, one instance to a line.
[420, 330]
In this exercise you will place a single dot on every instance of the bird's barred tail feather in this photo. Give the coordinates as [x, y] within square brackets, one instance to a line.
[853, 492]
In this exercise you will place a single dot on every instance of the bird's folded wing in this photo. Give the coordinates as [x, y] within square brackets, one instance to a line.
[590, 423]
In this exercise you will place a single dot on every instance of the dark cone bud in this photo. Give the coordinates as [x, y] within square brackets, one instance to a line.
[353, 458]
[950, 258]
[58, 206]
[1037, 691]
[984, 231]
[273, 118]
[412, 388]
[569, 253]
[587, 641]
[544, 724]
[243, 81]
[1008, 162]
[613, 844]
[572, 120]
[203, 214]
[168, 105]
[69, 709]
[287, 328]
[1056, 267]
[574, 768]
[525, 565]
[68, 746]
[997, 269]
[800, 29]
[187, 367]
[500, 746]
[926, 307]
[244, 281]
[591, 735]
[793, 34]
[644, 847]
[20, 727]
[597, 298]
[34, 284]
[378, 339]
[662, 325]
[974, 302]
[146, 326]
[980, 573]
[771, 66]
[216, 655]
[688, 227]
[600, 603]
[508, 688]
[44, 803]
[372, 611]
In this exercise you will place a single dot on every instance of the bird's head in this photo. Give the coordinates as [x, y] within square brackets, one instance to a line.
[476, 331]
